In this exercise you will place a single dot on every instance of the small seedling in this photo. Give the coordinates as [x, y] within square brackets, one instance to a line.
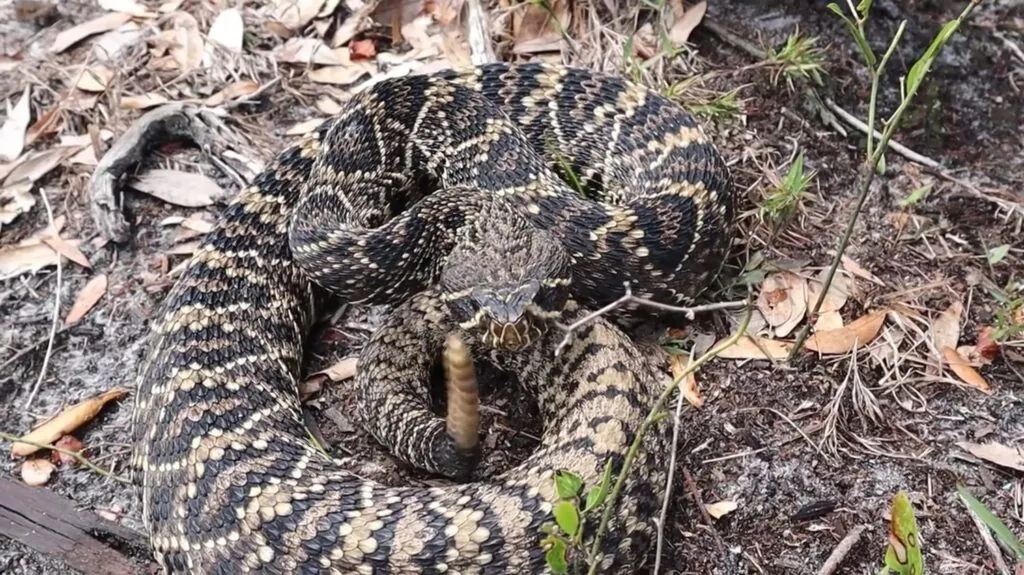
[799, 57]
[916, 196]
[903, 555]
[1002, 532]
[564, 541]
[785, 199]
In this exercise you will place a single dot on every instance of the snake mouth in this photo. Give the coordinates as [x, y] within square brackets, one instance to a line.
[511, 336]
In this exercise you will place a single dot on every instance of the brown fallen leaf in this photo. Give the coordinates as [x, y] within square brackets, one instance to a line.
[303, 128]
[76, 34]
[68, 443]
[964, 371]
[95, 79]
[719, 509]
[38, 164]
[537, 28]
[65, 422]
[686, 20]
[196, 223]
[828, 320]
[87, 298]
[68, 250]
[228, 30]
[746, 347]
[14, 201]
[987, 346]
[946, 327]
[342, 370]
[187, 42]
[783, 301]
[18, 260]
[839, 291]
[49, 123]
[856, 269]
[12, 134]
[295, 14]
[362, 49]
[142, 102]
[36, 472]
[232, 92]
[997, 453]
[859, 333]
[327, 105]
[678, 365]
[341, 75]
[184, 189]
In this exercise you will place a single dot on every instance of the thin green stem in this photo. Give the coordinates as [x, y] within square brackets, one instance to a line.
[652, 417]
[876, 76]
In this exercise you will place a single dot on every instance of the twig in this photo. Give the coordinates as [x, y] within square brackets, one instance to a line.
[1013, 47]
[56, 308]
[593, 555]
[990, 543]
[28, 349]
[842, 550]
[628, 297]
[480, 49]
[77, 455]
[895, 146]
[670, 479]
[699, 502]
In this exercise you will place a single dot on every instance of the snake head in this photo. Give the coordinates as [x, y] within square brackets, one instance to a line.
[506, 279]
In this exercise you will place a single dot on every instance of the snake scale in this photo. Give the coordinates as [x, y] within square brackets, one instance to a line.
[230, 480]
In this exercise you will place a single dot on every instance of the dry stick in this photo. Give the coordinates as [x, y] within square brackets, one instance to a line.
[77, 455]
[609, 504]
[895, 146]
[669, 480]
[480, 49]
[842, 550]
[56, 307]
[699, 502]
[867, 171]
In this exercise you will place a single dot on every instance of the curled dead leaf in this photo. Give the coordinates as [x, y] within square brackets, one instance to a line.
[95, 79]
[720, 509]
[858, 333]
[686, 20]
[946, 326]
[964, 371]
[76, 34]
[36, 472]
[783, 301]
[65, 422]
[678, 364]
[756, 347]
[87, 298]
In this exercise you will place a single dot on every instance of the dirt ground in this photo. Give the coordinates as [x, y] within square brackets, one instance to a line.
[790, 445]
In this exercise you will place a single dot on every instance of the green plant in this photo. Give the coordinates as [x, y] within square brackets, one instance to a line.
[724, 107]
[799, 57]
[564, 541]
[909, 85]
[903, 554]
[1009, 321]
[1009, 541]
[782, 202]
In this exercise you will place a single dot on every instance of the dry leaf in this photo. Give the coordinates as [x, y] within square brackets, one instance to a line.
[839, 291]
[50, 122]
[783, 301]
[859, 333]
[142, 102]
[356, 22]
[228, 30]
[65, 422]
[721, 508]
[170, 6]
[187, 43]
[341, 75]
[17, 260]
[87, 298]
[12, 134]
[128, 7]
[686, 21]
[196, 223]
[857, 270]
[74, 35]
[179, 188]
[185, 249]
[111, 45]
[233, 91]
[311, 51]
[14, 201]
[964, 371]
[946, 327]
[995, 453]
[33, 168]
[67, 249]
[362, 49]
[535, 28]
[678, 365]
[827, 321]
[746, 347]
[303, 128]
[344, 369]
[95, 79]
[327, 105]
[68, 443]
[987, 347]
[36, 472]
[295, 14]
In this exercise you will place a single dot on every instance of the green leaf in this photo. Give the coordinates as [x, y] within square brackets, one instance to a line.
[916, 196]
[924, 63]
[597, 495]
[996, 254]
[567, 484]
[555, 557]
[863, 8]
[998, 527]
[880, 166]
[903, 555]
[567, 517]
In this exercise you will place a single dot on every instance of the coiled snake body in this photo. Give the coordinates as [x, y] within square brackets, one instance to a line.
[231, 482]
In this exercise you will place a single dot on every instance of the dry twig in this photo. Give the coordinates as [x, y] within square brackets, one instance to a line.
[842, 550]
[56, 308]
[76, 455]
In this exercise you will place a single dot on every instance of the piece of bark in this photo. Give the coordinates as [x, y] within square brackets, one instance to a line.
[52, 525]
